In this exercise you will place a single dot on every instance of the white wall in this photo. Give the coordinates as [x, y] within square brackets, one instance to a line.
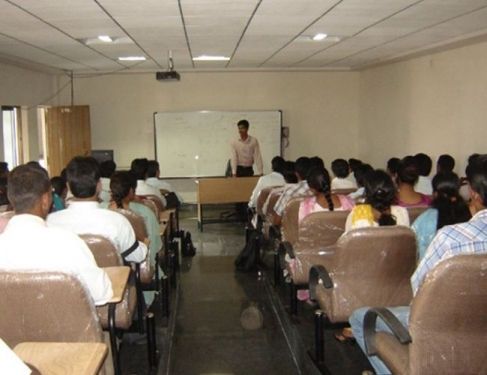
[27, 88]
[321, 109]
[435, 104]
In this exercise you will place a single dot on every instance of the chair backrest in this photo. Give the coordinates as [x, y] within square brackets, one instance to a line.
[262, 197]
[414, 212]
[156, 200]
[344, 191]
[289, 223]
[448, 320]
[272, 202]
[104, 251]
[320, 231]
[317, 236]
[372, 267]
[7, 214]
[46, 306]
[137, 222]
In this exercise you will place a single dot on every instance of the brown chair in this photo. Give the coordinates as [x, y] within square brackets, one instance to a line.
[447, 324]
[414, 212]
[317, 236]
[36, 307]
[261, 199]
[106, 255]
[344, 191]
[289, 223]
[156, 200]
[140, 230]
[370, 267]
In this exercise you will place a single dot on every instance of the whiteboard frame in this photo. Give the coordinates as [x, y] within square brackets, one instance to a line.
[279, 111]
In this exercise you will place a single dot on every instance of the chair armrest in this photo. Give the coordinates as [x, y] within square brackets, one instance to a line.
[397, 328]
[317, 273]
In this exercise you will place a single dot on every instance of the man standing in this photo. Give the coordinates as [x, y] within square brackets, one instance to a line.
[245, 151]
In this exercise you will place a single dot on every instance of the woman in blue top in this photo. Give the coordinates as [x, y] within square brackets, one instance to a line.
[447, 208]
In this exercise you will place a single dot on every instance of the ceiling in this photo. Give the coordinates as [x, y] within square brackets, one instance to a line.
[255, 34]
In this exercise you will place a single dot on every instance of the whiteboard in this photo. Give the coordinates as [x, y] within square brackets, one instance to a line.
[197, 144]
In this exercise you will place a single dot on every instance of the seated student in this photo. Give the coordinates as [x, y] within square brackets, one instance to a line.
[275, 178]
[392, 166]
[342, 179]
[290, 179]
[406, 179]
[445, 163]
[59, 193]
[122, 186]
[447, 208]
[360, 175]
[302, 167]
[423, 164]
[153, 173]
[450, 241]
[322, 200]
[139, 169]
[107, 168]
[29, 244]
[378, 208]
[84, 215]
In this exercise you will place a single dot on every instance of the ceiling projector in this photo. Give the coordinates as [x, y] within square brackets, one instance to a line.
[170, 74]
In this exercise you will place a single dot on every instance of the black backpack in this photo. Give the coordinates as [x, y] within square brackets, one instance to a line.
[187, 247]
[247, 259]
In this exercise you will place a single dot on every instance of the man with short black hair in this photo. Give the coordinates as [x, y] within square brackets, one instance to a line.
[29, 244]
[302, 167]
[245, 152]
[445, 163]
[274, 178]
[107, 168]
[84, 215]
[139, 169]
[342, 179]
[423, 164]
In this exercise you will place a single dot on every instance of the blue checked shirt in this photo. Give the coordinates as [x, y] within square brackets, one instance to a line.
[464, 238]
[295, 190]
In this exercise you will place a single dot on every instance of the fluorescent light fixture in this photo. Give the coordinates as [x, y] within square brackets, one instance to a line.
[319, 36]
[211, 58]
[105, 38]
[132, 58]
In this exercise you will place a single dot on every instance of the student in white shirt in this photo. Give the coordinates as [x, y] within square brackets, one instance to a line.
[84, 215]
[343, 178]
[139, 169]
[107, 168]
[275, 178]
[28, 243]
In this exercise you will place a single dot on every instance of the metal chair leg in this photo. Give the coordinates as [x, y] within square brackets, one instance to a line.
[319, 337]
[151, 339]
[293, 299]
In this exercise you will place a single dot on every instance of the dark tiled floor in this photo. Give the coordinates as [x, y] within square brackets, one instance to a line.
[209, 338]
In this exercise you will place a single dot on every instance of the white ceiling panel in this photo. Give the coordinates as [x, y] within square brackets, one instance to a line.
[258, 34]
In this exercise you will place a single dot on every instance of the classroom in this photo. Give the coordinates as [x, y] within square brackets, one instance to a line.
[352, 79]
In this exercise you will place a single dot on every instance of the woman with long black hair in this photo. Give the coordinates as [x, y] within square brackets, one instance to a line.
[447, 208]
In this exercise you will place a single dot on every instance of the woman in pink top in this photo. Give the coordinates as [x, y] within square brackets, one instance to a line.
[322, 200]
[406, 178]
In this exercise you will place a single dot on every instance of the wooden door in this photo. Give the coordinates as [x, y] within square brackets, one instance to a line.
[68, 134]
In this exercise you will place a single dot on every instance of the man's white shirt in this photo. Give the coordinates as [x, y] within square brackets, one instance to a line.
[29, 243]
[87, 217]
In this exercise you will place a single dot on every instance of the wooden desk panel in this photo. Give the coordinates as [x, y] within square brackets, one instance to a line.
[225, 189]
[119, 277]
[221, 190]
[70, 358]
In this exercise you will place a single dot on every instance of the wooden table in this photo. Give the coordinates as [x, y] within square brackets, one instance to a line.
[56, 358]
[119, 277]
[219, 190]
